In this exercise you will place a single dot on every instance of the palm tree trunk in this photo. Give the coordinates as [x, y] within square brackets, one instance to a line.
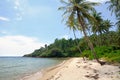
[81, 22]
[78, 44]
[90, 45]
[97, 40]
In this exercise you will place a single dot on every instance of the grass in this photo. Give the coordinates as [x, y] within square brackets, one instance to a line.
[110, 54]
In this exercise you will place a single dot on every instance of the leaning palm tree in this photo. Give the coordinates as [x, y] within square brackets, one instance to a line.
[80, 11]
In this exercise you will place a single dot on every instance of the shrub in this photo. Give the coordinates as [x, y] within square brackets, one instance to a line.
[55, 52]
[111, 54]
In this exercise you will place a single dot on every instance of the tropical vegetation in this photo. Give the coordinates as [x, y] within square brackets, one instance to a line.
[109, 51]
[80, 15]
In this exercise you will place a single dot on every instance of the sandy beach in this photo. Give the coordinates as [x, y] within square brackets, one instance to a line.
[77, 69]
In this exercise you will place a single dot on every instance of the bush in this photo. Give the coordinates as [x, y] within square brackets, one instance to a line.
[111, 54]
[55, 52]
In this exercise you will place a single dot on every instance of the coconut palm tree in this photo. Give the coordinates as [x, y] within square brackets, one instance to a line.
[103, 26]
[95, 28]
[80, 11]
[99, 19]
[114, 7]
[107, 24]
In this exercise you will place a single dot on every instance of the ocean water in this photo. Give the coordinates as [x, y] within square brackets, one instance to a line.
[14, 68]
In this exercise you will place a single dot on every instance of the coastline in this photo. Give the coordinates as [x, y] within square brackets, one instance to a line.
[77, 69]
[38, 75]
[50, 72]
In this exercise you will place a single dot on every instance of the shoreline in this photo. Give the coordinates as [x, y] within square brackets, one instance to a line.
[50, 72]
[38, 75]
[77, 69]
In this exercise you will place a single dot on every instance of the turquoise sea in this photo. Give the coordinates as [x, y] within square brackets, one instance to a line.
[15, 68]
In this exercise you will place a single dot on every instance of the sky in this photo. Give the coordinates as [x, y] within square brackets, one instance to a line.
[26, 25]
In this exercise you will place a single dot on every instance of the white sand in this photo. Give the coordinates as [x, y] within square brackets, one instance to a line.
[77, 69]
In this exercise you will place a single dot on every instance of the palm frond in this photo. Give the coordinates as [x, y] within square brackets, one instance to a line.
[86, 14]
[71, 19]
[62, 8]
[64, 2]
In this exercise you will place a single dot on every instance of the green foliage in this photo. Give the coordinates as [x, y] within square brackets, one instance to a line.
[55, 52]
[110, 50]
[110, 53]
[60, 48]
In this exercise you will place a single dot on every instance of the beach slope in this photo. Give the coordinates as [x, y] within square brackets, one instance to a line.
[77, 69]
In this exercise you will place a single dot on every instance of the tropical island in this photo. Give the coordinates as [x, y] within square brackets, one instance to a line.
[99, 43]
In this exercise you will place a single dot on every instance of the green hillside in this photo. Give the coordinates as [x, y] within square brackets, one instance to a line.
[106, 45]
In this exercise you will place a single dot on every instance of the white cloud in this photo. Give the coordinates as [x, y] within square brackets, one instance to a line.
[18, 45]
[98, 0]
[4, 18]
